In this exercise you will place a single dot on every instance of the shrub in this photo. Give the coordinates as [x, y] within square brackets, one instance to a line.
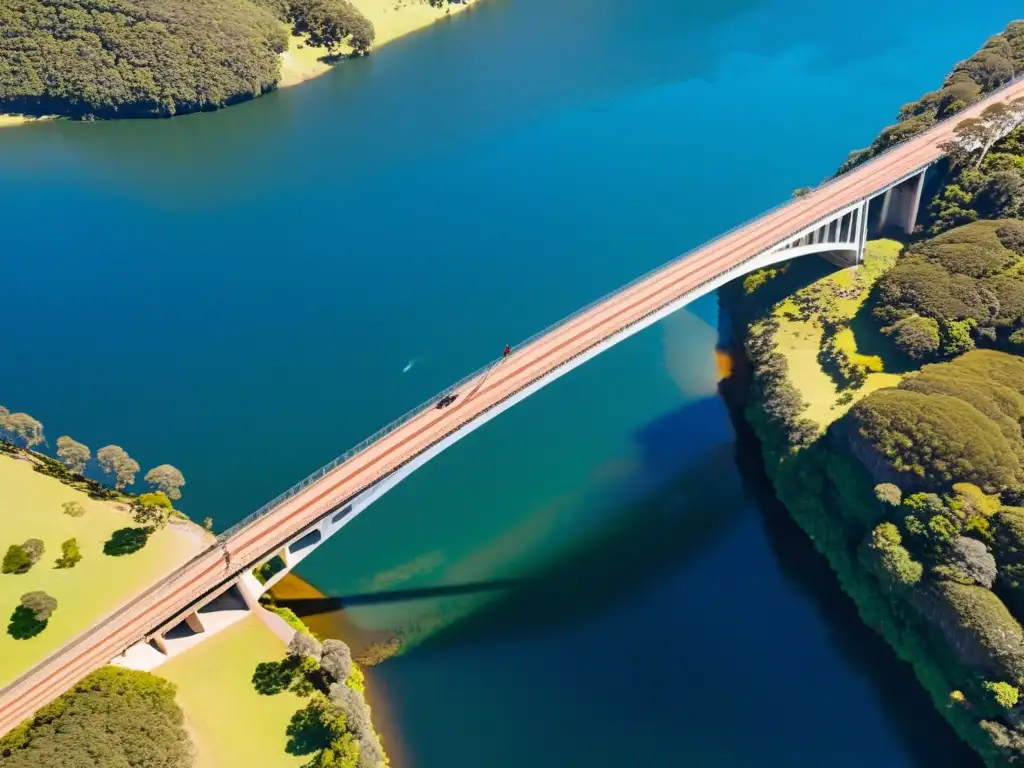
[73, 508]
[70, 554]
[915, 336]
[16, 560]
[887, 557]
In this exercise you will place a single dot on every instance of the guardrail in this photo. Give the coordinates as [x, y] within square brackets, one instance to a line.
[428, 404]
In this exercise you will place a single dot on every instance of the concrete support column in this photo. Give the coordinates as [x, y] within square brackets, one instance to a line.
[914, 205]
[862, 230]
[250, 589]
[158, 641]
[901, 205]
[195, 623]
[883, 219]
[286, 555]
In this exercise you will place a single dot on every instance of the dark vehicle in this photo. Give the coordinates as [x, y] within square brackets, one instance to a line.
[445, 401]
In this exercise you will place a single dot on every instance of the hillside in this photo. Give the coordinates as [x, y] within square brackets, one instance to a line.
[889, 401]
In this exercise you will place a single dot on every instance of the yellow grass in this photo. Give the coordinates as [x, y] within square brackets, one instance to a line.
[391, 19]
[230, 723]
[30, 507]
[800, 341]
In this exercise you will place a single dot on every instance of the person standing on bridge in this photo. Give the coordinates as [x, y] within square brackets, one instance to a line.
[508, 351]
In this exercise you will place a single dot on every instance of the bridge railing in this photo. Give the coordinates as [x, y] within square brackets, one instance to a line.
[320, 473]
[413, 412]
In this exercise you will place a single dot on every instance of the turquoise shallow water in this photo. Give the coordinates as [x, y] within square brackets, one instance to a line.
[239, 293]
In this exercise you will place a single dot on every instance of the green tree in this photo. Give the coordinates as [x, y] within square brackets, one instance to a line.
[889, 494]
[41, 604]
[114, 460]
[152, 509]
[16, 560]
[885, 554]
[25, 427]
[34, 548]
[70, 554]
[167, 479]
[330, 23]
[1004, 694]
[74, 454]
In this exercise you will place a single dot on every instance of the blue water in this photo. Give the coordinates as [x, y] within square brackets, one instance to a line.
[238, 294]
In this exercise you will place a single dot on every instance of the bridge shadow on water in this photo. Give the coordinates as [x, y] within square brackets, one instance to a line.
[670, 516]
[665, 518]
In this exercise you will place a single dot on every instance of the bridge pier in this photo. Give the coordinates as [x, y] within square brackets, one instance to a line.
[901, 205]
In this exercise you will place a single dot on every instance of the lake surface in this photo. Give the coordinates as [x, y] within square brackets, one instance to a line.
[601, 578]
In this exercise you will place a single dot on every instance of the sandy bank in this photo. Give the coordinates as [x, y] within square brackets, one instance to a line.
[9, 121]
[391, 19]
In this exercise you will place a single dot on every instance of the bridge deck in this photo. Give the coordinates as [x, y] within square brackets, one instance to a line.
[476, 396]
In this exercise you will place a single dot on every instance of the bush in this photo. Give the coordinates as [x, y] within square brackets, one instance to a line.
[915, 336]
[73, 508]
[113, 717]
[885, 554]
[16, 560]
[70, 554]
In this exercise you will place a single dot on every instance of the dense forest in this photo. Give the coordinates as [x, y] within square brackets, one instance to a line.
[910, 477]
[114, 718]
[153, 58]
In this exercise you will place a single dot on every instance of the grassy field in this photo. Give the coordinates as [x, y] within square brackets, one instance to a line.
[799, 340]
[391, 19]
[230, 723]
[30, 507]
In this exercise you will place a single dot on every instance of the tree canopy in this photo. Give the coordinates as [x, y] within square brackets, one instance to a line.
[114, 718]
[124, 58]
[156, 58]
[958, 289]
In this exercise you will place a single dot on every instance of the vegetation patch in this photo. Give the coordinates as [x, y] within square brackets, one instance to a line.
[114, 717]
[912, 485]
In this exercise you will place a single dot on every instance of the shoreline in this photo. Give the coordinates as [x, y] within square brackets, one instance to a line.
[336, 624]
[392, 19]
